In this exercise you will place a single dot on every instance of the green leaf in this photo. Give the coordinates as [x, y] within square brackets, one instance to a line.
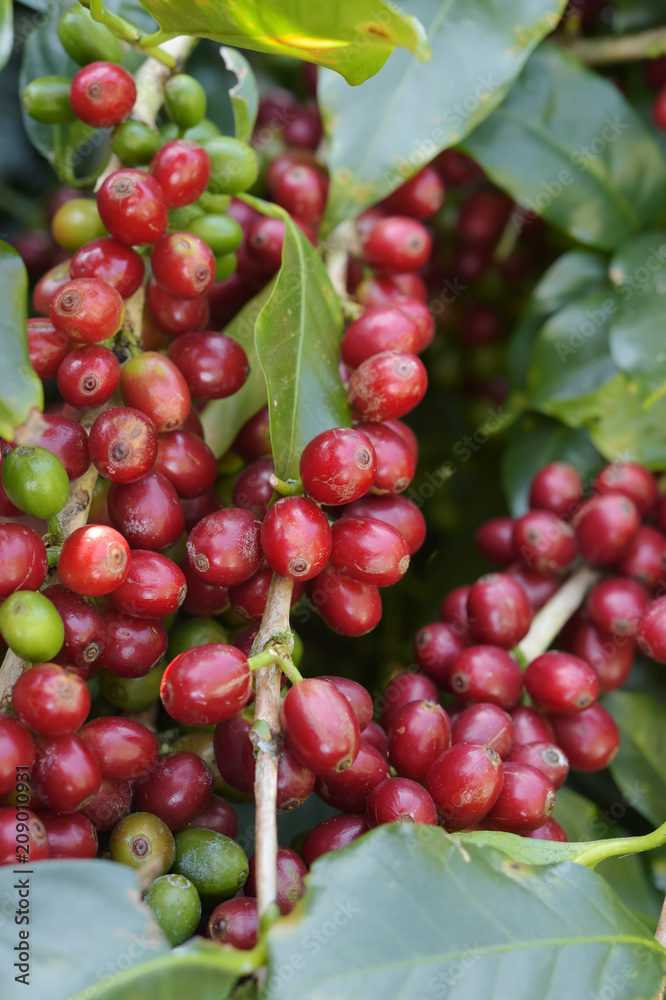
[533, 442]
[198, 969]
[6, 31]
[223, 418]
[244, 94]
[638, 271]
[568, 146]
[298, 337]
[86, 922]
[399, 121]
[402, 914]
[20, 388]
[639, 768]
[353, 37]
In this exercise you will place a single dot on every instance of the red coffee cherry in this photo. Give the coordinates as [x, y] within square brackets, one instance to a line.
[400, 800]
[253, 489]
[301, 190]
[102, 94]
[538, 588]
[235, 923]
[124, 749]
[617, 605]
[357, 696]
[369, 551]
[253, 440]
[550, 830]
[123, 444]
[153, 588]
[202, 599]
[486, 674]
[296, 538]
[228, 743]
[65, 775]
[385, 329]
[557, 488]
[85, 631]
[87, 309]
[419, 197]
[494, 540]
[147, 513]
[182, 170]
[610, 657]
[206, 684]
[173, 315]
[47, 347]
[48, 285]
[387, 385]
[465, 782]
[545, 757]
[397, 511]
[132, 206]
[347, 606]
[213, 365]
[338, 466]
[560, 682]
[545, 543]
[604, 526]
[17, 752]
[135, 645]
[630, 480]
[349, 790]
[436, 648]
[225, 548]
[483, 215]
[332, 835]
[36, 848]
[644, 559]
[88, 376]
[219, 816]
[265, 239]
[525, 802]
[485, 724]
[418, 734]
[69, 836]
[188, 463]
[396, 463]
[590, 739]
[177, 788]
[376, 737]
[112, 262]
[290, 873]
[295, 781]
[400, 691]
[652, 631]
[110, 805]
[94, 560]
[498, 609]
[152, 384]
[396, 244]
[68, 441]
[530, 725]
[183, 265]
[453, 609]
[418, 311]
[23, 560]
[320, 726]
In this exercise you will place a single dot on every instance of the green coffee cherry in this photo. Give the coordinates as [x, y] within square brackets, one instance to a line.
[234, 165]
[31, 626]
[35, 481]
[194, 632]
[134, 143]
[76, 223]
[180, 218]
[206, 129]
[222, 233]
[46, 100]
[169, 131]
[85, 40]
[215, 864]
[225, 266]
[185, 100]
[213, 204]
[176, 905]
[133, 693]
[143, 838]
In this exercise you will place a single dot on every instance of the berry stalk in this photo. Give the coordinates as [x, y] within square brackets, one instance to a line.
[554, 615]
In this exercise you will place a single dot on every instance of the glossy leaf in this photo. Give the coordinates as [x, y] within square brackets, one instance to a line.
[411, 915]
[6, 31]
[198, 968]
[353, 37]
[533, 442]
[639, 769]
[638, 271]
[568, 146]
[298, 337]
[20, 388]
[223, 418]
[244, 95]
[400, 120]
[86, 922]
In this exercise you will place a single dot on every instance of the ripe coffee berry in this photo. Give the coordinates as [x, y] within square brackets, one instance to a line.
[153, 588]
[253, 489]
[545, 757]
[644, 559]
[17, 752]
[338, 466]
[65, 775]
[401, 690]
[23, 560]
[235, 923]
[498, 610]
[47, 347]
[400, 800]
[69, 836]
[357, 696]
[290, 873]
[112, 262]
[550, 830]
[530, 725]
[124, 749]
[397, 511]
[135, 645]
[347, 606]
[652, 631]
[85, 631]
[630, 480]
[182, 170]
[88, 376]
[560, 682]
[396, 463]
[132, 206]
[616, 605]
[494, 540]
[486, 673]
[183, 265]
[296, 538]
[94, 560]
[213, 365]
[154, 385]
[87, 309]
[206, 684]
[485, 724]
[218, 815]
[610, 657]
[369, 551]
[525, 802]
[465, 782]
[174, 315]
[604, 526]
[387, 385]
[301, 190]
[123, 444]
[295, 781]
[102, 94]
[13, 852]
[349, 790]
[545, 543]
[418, 734]
[557, 488]
[177, 788]
[384, 329]
[538, 587]
[590, 739]
[419, 197]
[332, 835]
[147, 512]
[320, 726]
[396, 244]
[224, 549]
[436, 647]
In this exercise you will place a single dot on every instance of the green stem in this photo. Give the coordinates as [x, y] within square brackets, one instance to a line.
[55, 531]
[262, 659]
[118, 25]
[290, 671]
[286, 487]
[609, 49]
[598, 850]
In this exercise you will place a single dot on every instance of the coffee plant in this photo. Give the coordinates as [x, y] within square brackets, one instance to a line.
[333, 500]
